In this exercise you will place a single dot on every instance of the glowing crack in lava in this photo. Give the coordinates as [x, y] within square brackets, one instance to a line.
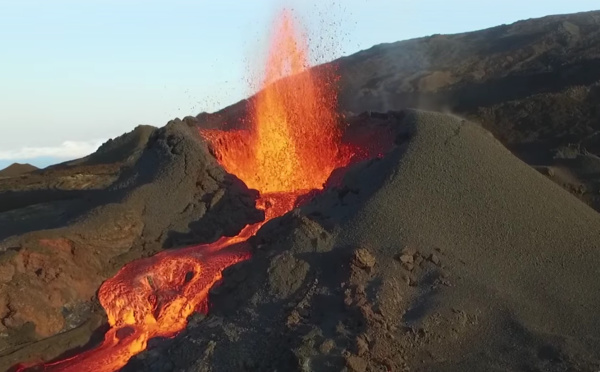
[291, 147]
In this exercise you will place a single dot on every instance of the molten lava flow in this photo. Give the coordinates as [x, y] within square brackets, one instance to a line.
[291, 148]
[152, 297]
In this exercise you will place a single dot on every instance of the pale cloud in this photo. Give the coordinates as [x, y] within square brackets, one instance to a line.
[67, 150]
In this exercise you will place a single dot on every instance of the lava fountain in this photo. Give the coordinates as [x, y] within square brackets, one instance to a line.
[294, 141]
[291, 147]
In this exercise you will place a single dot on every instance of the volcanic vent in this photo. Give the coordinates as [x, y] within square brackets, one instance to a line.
[289, 147]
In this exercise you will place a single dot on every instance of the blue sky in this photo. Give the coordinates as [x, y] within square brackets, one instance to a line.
[75, 73]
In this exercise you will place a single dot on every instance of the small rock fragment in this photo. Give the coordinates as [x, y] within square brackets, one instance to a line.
[418, 260]
[210, 348]
[362, 345]
[406, 258]
[327, 346]
[216, 197]
[409, 251]
[356, 363]
[293, 319]
[412, 280]
[196, 319]
[348, 297]
[341, 330]
[434, 258]
[361, 301]
[348, 301]
[363, 259]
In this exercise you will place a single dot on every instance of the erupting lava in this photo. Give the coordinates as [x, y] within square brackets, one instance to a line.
[291, 147]
[293, 143]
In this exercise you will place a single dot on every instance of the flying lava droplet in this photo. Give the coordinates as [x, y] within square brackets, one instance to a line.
[291, 147]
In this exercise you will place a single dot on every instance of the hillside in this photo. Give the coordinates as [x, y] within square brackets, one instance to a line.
[534, 84]
[17, 169]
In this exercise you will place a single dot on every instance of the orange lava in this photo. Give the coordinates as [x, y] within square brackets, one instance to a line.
[291, 148]
[293, 143]
[152, 297]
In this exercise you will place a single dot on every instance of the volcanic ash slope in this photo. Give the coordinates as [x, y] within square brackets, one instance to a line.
[521, 256]
[448, 254]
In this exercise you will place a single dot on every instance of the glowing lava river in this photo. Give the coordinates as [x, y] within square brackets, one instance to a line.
[290, 147]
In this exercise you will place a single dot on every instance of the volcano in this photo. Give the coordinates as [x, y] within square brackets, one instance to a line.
[292, 232]
[290, 150]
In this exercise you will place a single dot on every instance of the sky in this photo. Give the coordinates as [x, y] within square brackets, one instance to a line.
[76, 73]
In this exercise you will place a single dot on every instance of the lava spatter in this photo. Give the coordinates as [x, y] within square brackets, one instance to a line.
[294, 139]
